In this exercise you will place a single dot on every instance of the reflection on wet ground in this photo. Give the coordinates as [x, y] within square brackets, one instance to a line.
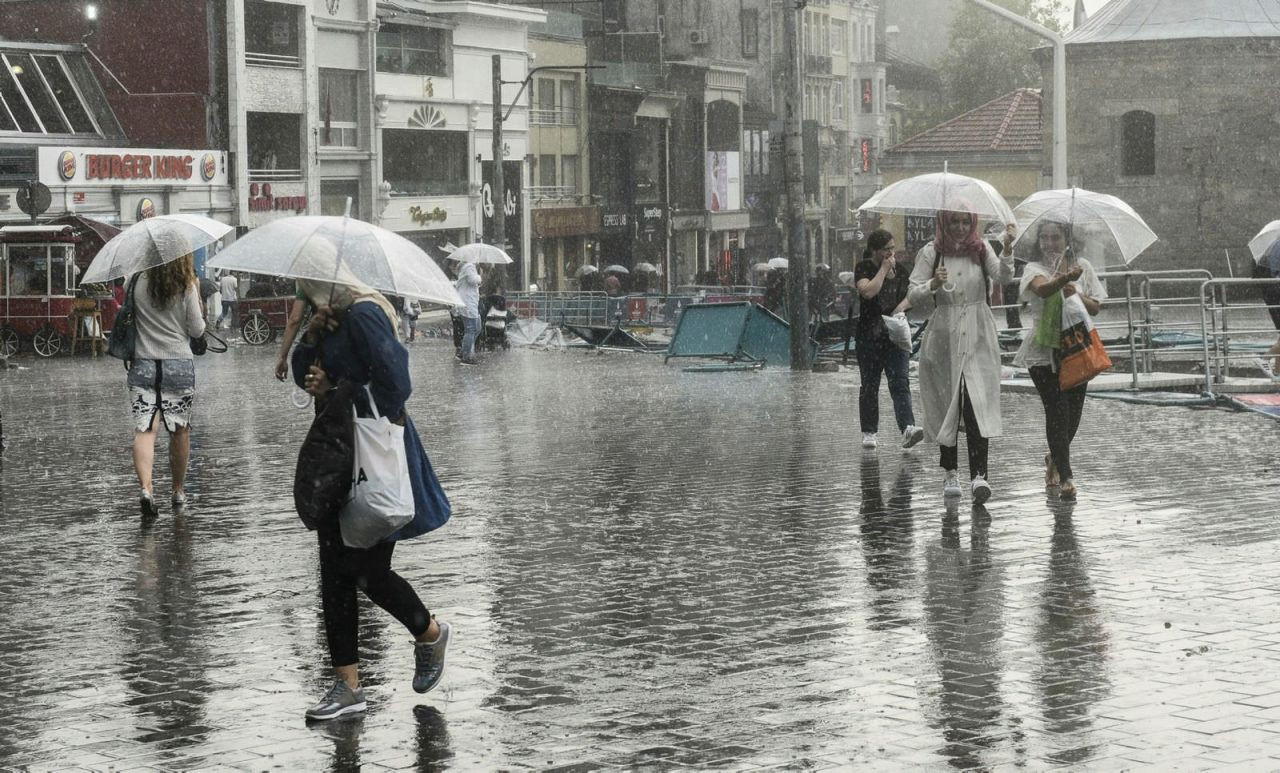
[647, 568]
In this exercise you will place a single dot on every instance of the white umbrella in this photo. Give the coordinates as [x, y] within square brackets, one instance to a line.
[846, 278]
[1259, 244]
[779, 263]
[617, 269]
[585, 269]
[761, 267]
[1103, 228]
[480, 253]
[928, 194]
[343, 251]
[152, 242]
[647, 267]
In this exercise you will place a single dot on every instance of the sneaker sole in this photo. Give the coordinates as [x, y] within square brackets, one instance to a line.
[148, 507]
[354, 708]
[981, 496]
[910, 442]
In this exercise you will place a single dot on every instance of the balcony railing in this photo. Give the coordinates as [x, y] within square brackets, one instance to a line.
[272, 60]
[553, 191]
[275, 175]
[564, 116]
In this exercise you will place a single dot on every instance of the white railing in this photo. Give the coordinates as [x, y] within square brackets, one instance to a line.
[553, 191]
[275, 175]
[254, 58]
[565, 116]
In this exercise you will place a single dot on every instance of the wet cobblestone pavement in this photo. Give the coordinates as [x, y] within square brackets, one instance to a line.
[646, 569]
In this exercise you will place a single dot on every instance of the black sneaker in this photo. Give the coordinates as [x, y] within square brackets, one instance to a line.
[429, 660]
[339, 701]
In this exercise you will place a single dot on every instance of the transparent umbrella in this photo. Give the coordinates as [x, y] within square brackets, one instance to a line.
[1268, 236]
[152, 242]
[480, 253]
[647, 268]
[343, 251]
[1104, 229]
[928, 194]
[583, 270]
[779, 263]
[761, 267]
[615, 268]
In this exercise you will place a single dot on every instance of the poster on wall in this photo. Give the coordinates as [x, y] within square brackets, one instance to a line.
[724, 181]
[513, 207]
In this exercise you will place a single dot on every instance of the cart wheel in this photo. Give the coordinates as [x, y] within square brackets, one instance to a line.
[47, 342]
[8, 342]
[256, 330]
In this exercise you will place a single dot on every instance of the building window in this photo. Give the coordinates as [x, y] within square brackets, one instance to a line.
[424, 163]
[411, 50]
[569, 103]
[338, 112]
[868, 96]
[837, 100]
[569, 174]
[838, 32]
[271, 34]
[275, 146]
[334, 195]
[750, 33]
[1138, 143]
[547, 171]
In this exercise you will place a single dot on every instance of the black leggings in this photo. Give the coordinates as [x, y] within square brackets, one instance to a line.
[1062, 410]
[342, 570]
[976, 444]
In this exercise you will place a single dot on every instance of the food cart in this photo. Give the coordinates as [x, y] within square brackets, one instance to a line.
[37, 287]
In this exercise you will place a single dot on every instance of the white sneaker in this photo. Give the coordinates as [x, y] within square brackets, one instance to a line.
[1264, 364]
[981, 490]
[951, 484]
[868, 440]
[911, 435]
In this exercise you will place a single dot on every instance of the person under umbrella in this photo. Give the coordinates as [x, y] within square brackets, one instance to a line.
[959, 352]
[1268, 267]
[1054, 267]
[352, 337]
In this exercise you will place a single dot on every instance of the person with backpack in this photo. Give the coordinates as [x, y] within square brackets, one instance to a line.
[959, 351]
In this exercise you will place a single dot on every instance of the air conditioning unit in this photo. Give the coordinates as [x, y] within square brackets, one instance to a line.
[698, 37]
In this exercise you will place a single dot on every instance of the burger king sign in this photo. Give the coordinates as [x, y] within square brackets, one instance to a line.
[132, 166]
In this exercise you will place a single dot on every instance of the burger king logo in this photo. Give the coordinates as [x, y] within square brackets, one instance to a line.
[66, 165]
[208, 167]
[146, 209]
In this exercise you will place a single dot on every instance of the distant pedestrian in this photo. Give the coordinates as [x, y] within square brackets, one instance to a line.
[775, 291]
[1055, 268]
[162, 375]
[297, 312]
[883, 290]
[211, 298]
[357, 327]
[468, 285]
[227, 287]
[959, 352]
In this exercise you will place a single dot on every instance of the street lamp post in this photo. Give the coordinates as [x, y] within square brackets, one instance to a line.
[793, 168]
[1059, 86]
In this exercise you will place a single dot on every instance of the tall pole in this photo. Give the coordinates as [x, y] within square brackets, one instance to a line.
[499, 182]
[793, 166]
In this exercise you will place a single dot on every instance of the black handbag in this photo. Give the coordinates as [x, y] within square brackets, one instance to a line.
[124, 333]
[322, 480]
[200, 344]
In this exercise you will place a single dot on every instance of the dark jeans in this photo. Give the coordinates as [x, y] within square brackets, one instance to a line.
[1062, 409]
[342, 571]
[877, 355]
[974, 441]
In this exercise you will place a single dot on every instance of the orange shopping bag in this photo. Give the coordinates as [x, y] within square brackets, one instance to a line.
[1082, 355]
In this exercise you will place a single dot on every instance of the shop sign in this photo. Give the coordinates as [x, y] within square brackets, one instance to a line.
[427, 216]
[688, 222]
[566, 221]
[7, 197]
[262, 200]
[846, 235]
[614, 220]
[511, 205]
[146, 208]
[131, 166]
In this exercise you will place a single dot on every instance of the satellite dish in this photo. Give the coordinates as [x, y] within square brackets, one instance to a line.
[34, 198]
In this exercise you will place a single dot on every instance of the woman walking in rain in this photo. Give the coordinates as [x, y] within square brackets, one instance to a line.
[959, 353]
[352, 336]
[1055, 268]
[884, 292]
[162, 375]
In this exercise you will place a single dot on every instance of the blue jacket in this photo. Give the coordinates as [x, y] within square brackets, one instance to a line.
[364, 350]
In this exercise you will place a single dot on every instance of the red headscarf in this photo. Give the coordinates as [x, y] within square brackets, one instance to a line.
[972, 245]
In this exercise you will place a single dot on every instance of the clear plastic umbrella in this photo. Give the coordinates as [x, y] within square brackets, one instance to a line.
[1104, 229]
[1268, 236]
[928, 194]
[761, 267]
[617, 269]
[343, 251]
[585, 269]
[779, 263]
[647, 268]
[152, 242]
[480, 253]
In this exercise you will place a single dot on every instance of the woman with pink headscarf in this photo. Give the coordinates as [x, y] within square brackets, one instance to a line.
[959, 353]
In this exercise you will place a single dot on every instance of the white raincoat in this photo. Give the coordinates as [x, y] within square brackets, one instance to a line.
[959, 343]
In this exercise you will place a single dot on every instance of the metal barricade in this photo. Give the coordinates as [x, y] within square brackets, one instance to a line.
[574, 307]
[1215, 306]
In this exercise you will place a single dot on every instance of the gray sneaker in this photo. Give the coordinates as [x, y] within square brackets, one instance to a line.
[429, 660]
[339, 701]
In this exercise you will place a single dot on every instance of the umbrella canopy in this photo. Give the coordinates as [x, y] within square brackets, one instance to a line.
[152, 242]
[480, 253]
[1104, 229]
[846, 278]
[1268, 236]
[761, 267]
[928, 194]
[342, 251]
[779, 263]
[615, 268]
[647, 268]
[585, 269]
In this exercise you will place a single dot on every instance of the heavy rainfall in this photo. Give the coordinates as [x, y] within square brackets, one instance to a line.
[327, 442]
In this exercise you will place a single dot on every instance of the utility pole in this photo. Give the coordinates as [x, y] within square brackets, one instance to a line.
[793, 167]
[499, 182]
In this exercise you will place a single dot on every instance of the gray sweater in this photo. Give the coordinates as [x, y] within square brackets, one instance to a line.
[164, 333]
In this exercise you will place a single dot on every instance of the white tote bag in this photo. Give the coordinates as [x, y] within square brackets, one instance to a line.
[899, 330]
[381, 493]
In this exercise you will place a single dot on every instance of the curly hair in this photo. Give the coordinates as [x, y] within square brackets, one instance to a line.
[170, 280]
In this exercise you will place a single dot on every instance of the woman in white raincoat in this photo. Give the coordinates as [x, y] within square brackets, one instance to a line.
[959, 354]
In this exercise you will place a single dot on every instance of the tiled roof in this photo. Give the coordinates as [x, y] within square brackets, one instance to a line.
[1010, 123]
[1125, 20]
